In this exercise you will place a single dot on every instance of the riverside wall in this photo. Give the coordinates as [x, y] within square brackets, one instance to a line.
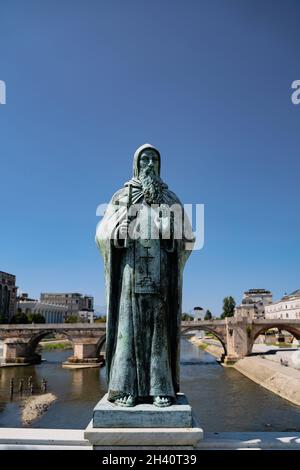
[275, 377]
[213, 349]
[284, 381]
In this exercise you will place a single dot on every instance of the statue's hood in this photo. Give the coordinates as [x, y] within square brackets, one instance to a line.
[137, 155]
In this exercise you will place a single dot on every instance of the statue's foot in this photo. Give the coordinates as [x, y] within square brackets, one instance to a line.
[125, 400]
[162, 401]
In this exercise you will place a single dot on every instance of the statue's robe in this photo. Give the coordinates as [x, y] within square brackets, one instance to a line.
[143, 326]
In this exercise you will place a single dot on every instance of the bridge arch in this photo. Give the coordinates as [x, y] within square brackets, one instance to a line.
[293, 330]
[100, 345]
[217, 335]
[36, 338]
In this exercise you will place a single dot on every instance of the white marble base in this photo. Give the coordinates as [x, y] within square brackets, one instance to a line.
[43, 437]
[143, 437]
[73, 439]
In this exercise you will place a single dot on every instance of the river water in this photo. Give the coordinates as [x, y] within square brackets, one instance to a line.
[222, 398]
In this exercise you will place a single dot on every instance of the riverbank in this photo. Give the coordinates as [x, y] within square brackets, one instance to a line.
[208, 346]
[265, 371]
[279, 379]
[56, 344]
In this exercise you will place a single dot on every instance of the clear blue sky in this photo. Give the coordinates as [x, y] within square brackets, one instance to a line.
[207, 82]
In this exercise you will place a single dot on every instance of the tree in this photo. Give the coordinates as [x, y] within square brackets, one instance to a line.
[2, 318]
[208, 315]
[228, 307]
[186, 317]
[101, 319]
[19, 318]
[71, 319]
[36, 318]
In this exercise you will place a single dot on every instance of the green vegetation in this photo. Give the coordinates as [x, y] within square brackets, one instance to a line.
[203, 345]
[19, 318]
[71, 319]
[36, 318]
[208, 315]
[186, 317]
[2, 318]
[209, 335]
[101, 319]
[228, 307]
[248, 329]
[50, 346]
[22, 318]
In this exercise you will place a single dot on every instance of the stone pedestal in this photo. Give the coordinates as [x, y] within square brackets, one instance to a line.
[144, 425]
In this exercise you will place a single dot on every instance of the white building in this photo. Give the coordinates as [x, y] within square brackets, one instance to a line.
[85, 316]
[198, 313]
[287, 308]
[73, 300]
[51, 313]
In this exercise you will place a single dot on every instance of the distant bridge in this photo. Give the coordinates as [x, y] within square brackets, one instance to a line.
[237, 337]
[20, 341]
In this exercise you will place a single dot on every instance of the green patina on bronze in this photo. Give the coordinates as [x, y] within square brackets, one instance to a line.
[144, 292]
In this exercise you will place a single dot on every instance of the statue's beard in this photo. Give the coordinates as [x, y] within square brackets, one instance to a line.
[152, 186]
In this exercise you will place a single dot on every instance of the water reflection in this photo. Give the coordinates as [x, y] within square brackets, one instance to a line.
[225, 400]
[222, 399]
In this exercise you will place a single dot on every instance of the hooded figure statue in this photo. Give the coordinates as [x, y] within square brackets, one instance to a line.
[143, 274]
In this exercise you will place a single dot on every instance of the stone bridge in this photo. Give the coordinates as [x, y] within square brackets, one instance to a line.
[237, 337]
[20, 342]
